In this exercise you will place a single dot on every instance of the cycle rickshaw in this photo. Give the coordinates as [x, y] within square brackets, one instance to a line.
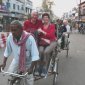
[53, 66]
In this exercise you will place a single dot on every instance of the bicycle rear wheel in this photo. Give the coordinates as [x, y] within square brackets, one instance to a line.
[55, 71]
[55, 67]
[16, 82]
[10, 82]
[67, 48]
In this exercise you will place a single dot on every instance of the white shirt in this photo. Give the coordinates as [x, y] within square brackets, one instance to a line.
[68, 28]
[32, 53]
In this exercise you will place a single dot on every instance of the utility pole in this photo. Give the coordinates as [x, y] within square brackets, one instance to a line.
[79, 15]
[80, 10]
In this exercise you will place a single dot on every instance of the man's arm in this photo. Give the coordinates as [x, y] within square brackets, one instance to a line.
[4, 63]
[34, 54]
[7, 53]
[34, 63]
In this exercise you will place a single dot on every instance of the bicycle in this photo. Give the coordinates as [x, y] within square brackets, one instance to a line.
[67, 44]
[54, 61]
[53, 67]
[15, 79]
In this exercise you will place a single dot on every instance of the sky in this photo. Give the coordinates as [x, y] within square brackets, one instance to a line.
[60, 6]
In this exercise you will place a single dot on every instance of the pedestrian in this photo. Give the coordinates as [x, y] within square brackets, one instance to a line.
[24, 49]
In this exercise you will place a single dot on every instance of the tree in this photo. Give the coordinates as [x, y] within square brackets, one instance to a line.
[75, 9]
[29, 16]
[0, 1]
[45, 6]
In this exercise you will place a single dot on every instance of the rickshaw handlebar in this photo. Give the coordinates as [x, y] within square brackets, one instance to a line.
[13, 74]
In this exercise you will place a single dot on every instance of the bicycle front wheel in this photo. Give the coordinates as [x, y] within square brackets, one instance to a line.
[55, 71]
[17, 82]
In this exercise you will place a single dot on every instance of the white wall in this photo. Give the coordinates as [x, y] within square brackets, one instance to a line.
[26, 4]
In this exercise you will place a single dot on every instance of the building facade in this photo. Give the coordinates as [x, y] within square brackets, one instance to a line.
[82, 11]
[14, 9]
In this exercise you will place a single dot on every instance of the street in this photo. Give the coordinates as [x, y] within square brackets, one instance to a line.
[71, 69]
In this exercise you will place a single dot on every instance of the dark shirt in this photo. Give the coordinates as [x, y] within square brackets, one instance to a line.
[64, 29]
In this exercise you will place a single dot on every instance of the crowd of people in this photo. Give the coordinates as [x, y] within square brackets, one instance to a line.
[33, 43]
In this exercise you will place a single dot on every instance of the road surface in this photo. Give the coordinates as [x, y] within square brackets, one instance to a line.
[71, 70]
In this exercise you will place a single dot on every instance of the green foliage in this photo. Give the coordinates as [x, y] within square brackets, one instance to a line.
[45, 6]
[0, 1]
[29, 16]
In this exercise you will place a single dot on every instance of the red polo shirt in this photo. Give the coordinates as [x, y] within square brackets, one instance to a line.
[30, 27]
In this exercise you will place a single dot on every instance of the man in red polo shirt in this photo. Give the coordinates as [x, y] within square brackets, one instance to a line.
[31, 25]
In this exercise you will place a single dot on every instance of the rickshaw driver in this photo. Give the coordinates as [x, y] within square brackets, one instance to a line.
[24, 49]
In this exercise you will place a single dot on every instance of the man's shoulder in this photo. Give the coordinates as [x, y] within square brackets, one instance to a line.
[10, 34]
[9, 38]
[29, 34]
[39, 20]
[30, 39]
[27, 21]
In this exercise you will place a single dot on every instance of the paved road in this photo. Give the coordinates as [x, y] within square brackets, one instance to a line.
[71, 70]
